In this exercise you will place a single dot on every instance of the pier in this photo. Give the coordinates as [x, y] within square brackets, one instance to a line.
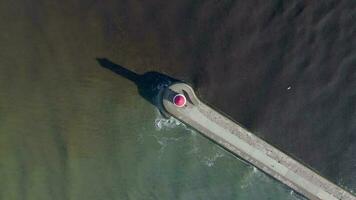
[249, 147]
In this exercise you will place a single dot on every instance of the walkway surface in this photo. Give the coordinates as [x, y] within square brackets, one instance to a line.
[244, 144]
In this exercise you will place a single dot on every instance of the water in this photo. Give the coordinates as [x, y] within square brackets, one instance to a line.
[96, 138]
[70, 129]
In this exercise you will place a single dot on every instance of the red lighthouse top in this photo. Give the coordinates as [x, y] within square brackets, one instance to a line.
[179, 100]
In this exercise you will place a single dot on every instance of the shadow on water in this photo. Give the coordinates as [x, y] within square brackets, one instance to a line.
[150, 84]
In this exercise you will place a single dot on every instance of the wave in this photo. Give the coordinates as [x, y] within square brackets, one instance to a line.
[210, 161]
[163, 123]
[166, 123]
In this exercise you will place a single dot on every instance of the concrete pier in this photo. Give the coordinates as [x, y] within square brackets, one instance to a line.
[249, 147]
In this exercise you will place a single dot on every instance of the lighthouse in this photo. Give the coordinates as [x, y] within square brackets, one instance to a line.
[179, 100]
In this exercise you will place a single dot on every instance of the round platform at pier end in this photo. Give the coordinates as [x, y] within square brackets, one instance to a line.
[179, 98]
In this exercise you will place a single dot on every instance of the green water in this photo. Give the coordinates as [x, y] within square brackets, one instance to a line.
[70, 129]
[96, 138]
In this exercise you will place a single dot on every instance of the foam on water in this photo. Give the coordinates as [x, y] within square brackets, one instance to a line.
[163, 123]
[210, 160]
[256, 176]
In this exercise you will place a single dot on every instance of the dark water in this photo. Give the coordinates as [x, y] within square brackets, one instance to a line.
[284, 69]
[71, 130]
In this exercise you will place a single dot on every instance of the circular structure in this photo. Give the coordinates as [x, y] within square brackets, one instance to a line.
[179, 100]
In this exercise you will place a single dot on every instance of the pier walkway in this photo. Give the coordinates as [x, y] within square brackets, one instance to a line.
[249, 147]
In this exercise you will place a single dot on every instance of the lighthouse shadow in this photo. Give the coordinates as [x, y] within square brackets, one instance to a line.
[150, 84]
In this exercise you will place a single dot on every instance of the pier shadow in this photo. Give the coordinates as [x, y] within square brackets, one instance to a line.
[150, 84]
